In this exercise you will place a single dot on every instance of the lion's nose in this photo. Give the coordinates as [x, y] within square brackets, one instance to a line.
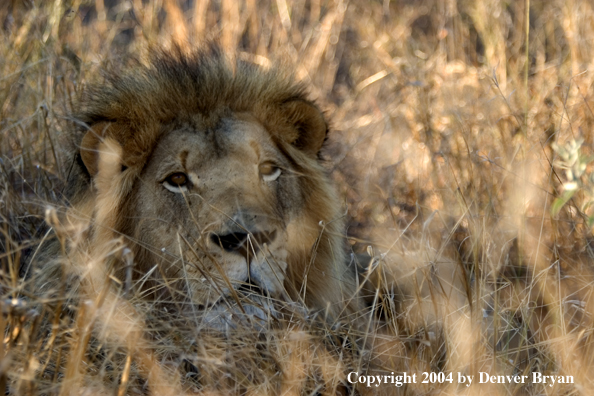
[242, 242]
[230, 242]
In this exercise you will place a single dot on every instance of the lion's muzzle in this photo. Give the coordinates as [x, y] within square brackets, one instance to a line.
[252, 252]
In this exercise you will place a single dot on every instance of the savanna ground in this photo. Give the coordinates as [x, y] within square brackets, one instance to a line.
[462, 142]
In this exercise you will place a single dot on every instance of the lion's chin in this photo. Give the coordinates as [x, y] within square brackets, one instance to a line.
[253, 312]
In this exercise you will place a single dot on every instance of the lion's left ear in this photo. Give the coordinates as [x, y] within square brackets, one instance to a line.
[310, 123]
[90, 146]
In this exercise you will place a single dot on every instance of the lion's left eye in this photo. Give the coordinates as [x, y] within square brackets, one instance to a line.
[176, 182]
[269, 171]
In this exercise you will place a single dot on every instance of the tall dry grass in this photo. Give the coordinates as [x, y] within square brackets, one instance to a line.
[462, 141]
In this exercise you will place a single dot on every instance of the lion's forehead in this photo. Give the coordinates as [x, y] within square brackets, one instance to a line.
[234, 141]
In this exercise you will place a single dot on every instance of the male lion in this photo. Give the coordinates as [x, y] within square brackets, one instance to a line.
[208, 170]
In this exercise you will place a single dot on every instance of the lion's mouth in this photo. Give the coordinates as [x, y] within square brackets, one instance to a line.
[252, 310]
[246, 293]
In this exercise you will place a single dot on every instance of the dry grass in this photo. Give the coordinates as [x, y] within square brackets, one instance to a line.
[450, 124]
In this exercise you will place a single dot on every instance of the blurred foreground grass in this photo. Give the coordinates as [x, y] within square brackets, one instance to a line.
[463, 147]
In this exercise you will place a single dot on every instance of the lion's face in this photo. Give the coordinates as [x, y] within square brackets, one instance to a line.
[217, 204]
[218, 190]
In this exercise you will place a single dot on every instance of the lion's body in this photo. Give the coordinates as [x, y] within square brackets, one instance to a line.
[208, 172]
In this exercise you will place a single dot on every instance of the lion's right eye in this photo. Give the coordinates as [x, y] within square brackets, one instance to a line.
[176, 182]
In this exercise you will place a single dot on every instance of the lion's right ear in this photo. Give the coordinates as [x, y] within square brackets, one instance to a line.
[89, 146]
